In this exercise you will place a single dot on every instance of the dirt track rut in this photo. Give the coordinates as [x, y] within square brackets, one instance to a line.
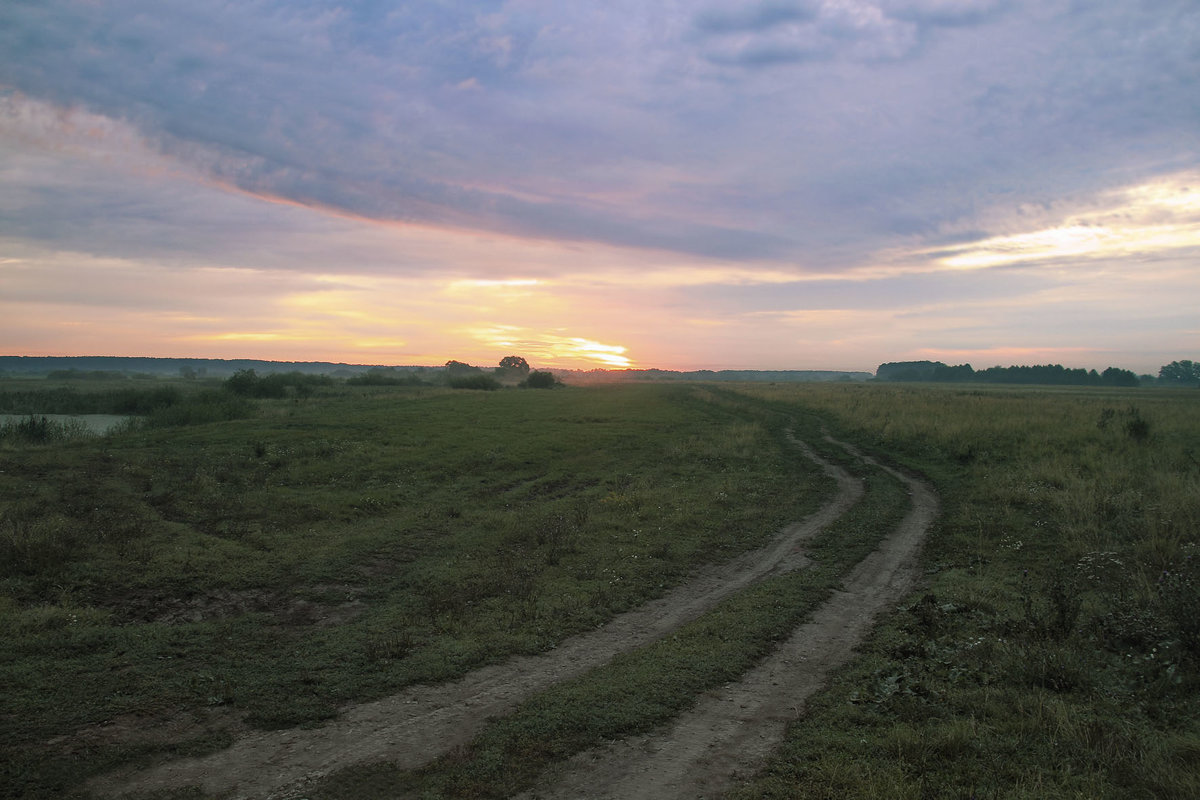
[415, 726]
[729, 733]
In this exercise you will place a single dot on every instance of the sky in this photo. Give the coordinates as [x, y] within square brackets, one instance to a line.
[822, 184]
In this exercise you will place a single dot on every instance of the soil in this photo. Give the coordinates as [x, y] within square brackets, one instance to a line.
[723, 736]
[222, 603]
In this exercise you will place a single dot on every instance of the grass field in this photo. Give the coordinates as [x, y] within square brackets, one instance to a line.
[1053, 650]
[166, 588]
[262, 572]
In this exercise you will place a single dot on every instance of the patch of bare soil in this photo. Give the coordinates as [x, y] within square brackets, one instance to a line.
[137, 729]
[728, 734]
[222, 603]
[423, 722]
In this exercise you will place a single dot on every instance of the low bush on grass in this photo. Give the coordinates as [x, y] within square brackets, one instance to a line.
[540, 380]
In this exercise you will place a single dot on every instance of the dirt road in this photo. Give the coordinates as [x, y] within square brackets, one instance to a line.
[728, 734]
[419, 724]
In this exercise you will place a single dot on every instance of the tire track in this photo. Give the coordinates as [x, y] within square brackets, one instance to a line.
[729, 733]
[419, 724]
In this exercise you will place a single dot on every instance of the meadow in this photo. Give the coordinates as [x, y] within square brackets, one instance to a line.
[168, 587]
[262, 564]
[1053, 648]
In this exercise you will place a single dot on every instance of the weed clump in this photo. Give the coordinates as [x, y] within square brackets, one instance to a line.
[33, 543]
[1130, 422]
[1178, 594]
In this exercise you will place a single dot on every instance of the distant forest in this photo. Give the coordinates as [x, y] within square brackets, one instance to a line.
[101, 367]
[1177, 373]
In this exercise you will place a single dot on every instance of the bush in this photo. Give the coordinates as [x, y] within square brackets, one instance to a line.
[200, 409]
[385, 377]
[40, 430]
[248, 383]
[1132, 423]
[540, 380]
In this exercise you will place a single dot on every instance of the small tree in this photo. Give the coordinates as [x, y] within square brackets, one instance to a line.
[515, 364]
[243, 382]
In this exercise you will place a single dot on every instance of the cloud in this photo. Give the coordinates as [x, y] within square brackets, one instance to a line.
[554, 348]
[358, 108]
[694, 163]
[770, 34]
[1144, 220]
[773, 34]
[945, 13]
[753, 17]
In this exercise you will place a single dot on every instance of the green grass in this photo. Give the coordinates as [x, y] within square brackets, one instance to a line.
[644, 688]
[1051, 651]
[265, 571]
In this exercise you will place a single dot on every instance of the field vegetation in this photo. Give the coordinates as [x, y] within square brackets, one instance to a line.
[164, 588]
[648, 686]
[1052, 650]
[168, 587]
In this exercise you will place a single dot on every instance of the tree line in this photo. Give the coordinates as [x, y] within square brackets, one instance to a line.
[1177, 373]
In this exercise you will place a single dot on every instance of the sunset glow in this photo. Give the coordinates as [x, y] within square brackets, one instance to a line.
[1148, 220]
[677, 188]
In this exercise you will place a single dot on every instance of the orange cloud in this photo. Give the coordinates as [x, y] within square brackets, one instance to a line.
[553, 348]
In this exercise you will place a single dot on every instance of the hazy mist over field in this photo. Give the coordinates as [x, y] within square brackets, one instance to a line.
[823, 184]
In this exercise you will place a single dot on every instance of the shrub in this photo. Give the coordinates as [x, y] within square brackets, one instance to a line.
[200, 409]
[1136, 426]
[385, 377]
[1133, 424]
[540, 380]
[40, 430]
[248, 383]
